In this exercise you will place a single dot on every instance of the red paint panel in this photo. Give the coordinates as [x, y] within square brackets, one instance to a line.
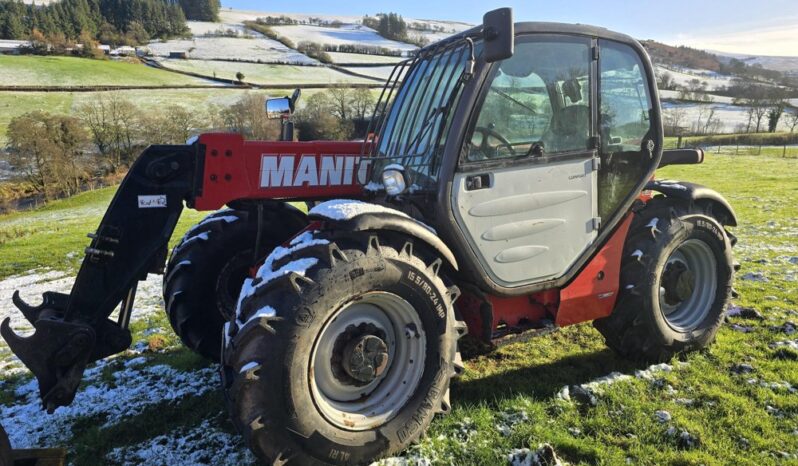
[592, 294]
[237, 169]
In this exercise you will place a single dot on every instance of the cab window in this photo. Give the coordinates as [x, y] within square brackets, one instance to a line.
[537, 102]
[625, 124]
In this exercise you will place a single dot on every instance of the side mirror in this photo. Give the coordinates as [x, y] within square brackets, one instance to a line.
[498, 31]
[278, 108]
[282, 107]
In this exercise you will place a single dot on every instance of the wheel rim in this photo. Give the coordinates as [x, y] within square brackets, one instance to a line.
[346, 392]
[688, 285]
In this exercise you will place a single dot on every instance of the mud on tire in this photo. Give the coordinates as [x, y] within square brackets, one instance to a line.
[205, 272]
[273, 376]
[665, 306]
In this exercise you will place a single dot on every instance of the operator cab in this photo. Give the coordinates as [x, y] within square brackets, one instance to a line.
[511, 159]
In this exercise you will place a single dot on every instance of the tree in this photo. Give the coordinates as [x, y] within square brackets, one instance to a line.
[240, 77]
[114, 123]
[665, 81]
[774, 114]
[174, 125]
[674, 119]
[248, 118]
[89, 48]
[47, 149]
[317, 120]
[792, 120]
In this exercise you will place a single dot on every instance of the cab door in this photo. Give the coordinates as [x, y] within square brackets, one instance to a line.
[525, 192]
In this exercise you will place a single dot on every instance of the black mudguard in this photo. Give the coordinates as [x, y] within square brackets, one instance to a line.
[696, 193]
[393, 221]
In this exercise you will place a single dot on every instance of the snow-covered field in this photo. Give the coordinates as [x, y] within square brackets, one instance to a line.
[207, 28]
[381, 72]
[733, 118]
[349, 34]
[358, 58]
[209, 48]
[261, 73]
[683, 77]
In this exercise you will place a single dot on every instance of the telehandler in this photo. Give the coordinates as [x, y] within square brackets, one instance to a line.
[506, 187]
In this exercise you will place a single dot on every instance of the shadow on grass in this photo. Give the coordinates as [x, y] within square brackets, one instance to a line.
[542, 381]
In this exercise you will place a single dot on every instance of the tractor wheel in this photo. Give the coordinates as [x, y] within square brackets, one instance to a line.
[342, 350]
[5, 449]
[205, 274]
[676, 279]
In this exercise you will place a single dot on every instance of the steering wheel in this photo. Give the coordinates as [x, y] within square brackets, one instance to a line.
[488, 133]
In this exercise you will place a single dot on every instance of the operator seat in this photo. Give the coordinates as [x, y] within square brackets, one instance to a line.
[569, 129]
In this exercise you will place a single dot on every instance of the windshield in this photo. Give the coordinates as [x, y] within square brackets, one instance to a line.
[414, 129]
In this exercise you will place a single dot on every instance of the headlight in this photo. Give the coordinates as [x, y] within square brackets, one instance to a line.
[393, 178]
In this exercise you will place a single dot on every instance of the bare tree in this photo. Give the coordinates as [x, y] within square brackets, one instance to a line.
[791, 118]
[674, 119]
[248, 118]
[48, 150]
[114, 123]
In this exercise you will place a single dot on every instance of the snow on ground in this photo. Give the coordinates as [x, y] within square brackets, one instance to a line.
[349, 34]
[204, 444]
[135, 388]
[381, 72]
[732, 117]
[358, 58]
[263, 73]
[229, 15]
[716, 99]
[207, 28]
[210, 48]
[683, 76]
[149, 301]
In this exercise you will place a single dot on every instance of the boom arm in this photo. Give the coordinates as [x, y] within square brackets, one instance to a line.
[73, 330]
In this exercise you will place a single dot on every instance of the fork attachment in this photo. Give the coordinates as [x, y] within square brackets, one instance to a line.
[73, 330]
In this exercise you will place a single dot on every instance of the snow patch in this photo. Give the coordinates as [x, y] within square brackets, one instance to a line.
[344, 209]
[203, 444]
[133, 390]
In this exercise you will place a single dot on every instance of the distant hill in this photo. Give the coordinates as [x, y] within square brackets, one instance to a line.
[682, 56]
[787, 65]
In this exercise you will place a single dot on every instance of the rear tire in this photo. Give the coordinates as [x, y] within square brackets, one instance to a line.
[290, 383]
[5, 449]
[676, 279]
[205, 274]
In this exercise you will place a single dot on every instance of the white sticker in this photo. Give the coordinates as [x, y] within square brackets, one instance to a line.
[152, 202]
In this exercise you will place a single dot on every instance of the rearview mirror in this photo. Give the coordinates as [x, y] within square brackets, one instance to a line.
[278, 108]
[498, 31]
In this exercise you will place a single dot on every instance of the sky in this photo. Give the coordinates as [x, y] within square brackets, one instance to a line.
[758, 27]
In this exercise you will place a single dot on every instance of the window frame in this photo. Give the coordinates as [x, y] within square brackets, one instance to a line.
[464, 165]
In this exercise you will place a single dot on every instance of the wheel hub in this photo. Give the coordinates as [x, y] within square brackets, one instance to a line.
[678, 281]
[365, 358]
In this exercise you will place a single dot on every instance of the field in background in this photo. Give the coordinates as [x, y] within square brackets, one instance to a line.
[507, 400]
[73, 71]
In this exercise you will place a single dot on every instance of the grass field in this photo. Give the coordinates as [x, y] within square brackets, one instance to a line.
[506, 400]
[257, 73]
[73, 71]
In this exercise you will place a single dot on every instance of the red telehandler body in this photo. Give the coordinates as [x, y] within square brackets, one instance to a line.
[506, 188]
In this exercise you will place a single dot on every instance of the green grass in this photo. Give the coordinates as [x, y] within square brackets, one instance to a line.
[25, 70]
[527, 376]
[54, 236]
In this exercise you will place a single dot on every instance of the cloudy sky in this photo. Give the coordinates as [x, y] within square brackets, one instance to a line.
[761, 27]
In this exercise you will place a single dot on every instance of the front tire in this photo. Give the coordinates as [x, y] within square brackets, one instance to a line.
[342, 350]
[676, 279]
[206, 271]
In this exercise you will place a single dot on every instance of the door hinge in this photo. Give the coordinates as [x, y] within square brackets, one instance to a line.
[596, 52]
[596, 164]
[596, 223]
[595, 142]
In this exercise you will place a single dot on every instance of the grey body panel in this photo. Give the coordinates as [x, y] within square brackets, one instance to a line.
[532, 223]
